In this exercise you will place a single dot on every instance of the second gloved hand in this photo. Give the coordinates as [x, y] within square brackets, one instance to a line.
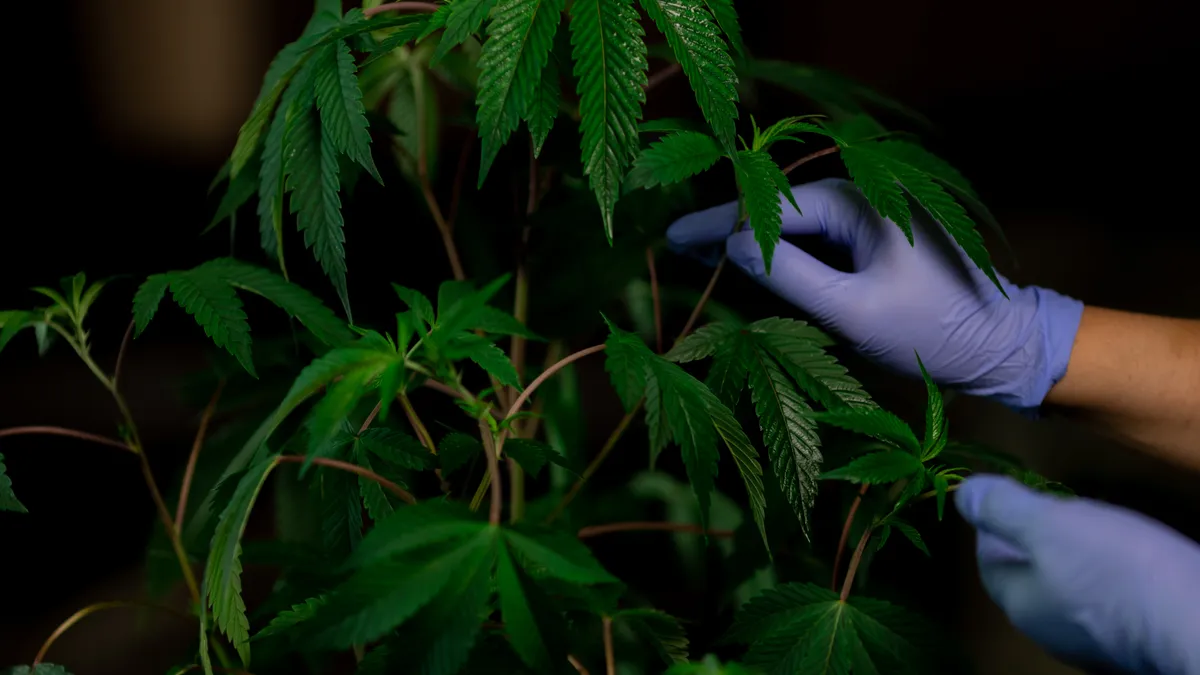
[900, 298]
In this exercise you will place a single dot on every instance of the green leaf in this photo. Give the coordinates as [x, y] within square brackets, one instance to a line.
[217, 309]
[465, 18]
[789, 434]
[727, 19]
[413, 528]
[240, 190]
[610, 65]
[935, 417]
[11, 323]
[488, 356]
[521, 618]
[877, 467]
[377, 501]
[499, 322]
[799, 348]
[456, 450]
[312, 179]
[787, 129]
[709, 666]
[625, 359]
[688, 418]
[664, 631]
[329, 414]
[39, 669]
[760, 180]
[279, 74]
[835, 93]
[532, 455]
[461, 307]
[669, 124]
[801, 628]
[910, 533]
[417, 302]
[940, 487]
[397, 449]
[401, 36]
[146, 301]
[339, 100]
[874, 422]
[556, 554]
[510, 68]
[8, 500]
[879, 183]
[673, 159]
[543, 105]
[696, 41]
[223, 571]
[288, 619]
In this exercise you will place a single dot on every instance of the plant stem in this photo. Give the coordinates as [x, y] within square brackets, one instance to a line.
[547, 374]
[412, 7]
[197, 444]
[810, 157]
[121, 352]
[423, 163]
[70, 433]
[371, 417]
[92, 609]
[933, 493]
[579, 667]
[699, 308]
[596, 530]
[841, 547]
[610, 660]
[596, 462]
[417, 425]
[516, 491]
[658, 320]
[492, 451]
[854, 561]
[355, 469]
[663, 75]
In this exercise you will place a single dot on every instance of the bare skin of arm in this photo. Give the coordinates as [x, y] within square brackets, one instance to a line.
[1137, 376]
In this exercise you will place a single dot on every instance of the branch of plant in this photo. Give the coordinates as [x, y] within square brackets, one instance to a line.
[579, 667]
[423, 168]
[491, 449]
[854, 562]
[610, 659]
[810, 157]
[354, 469]
[704, 297]
[194, 456]
[648, 526]
[607, 448]
[663, 75]
[841, 547]
[417, 425]
[933, 493]
[92, 609]
[654, 294]
[537, 382]
[69, 433]
[121, 352]
[410, 7]
[371, 417]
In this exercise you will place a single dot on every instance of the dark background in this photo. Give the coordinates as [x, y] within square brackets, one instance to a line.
[1070, 117]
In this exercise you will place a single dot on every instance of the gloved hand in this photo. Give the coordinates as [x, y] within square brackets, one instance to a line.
[1092, 583]
[928, 297]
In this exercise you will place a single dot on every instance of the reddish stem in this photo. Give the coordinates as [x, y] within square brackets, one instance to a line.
[699, 308]
[371, 417]
[648, 526]
[663, 75]
[121, 353]
[410, 7]
[70, 433]
[841, 547]
[355, 469]
[197, 444]
[610, 659]
[808, 158]
[854, 561]
[658, 321]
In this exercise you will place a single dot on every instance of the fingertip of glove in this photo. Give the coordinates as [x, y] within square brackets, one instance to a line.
[745, 252]
[970, 498]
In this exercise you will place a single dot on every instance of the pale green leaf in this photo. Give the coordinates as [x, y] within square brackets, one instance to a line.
[673, 159]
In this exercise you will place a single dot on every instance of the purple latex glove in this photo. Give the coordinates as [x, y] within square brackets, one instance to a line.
[928, 297]
[1092, 583]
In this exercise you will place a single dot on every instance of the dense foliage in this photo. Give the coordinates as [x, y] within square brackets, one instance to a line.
[404, 547]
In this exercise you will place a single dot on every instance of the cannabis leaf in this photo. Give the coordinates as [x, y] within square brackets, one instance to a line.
[910, 533]
[456, 450]
[486, 355]
[727, 19]
[464, 18]
[610, 64]
[674, 158]
[709, 666]
[510, 69]
[223, 571]
[289, 618]
[524, 610]
[803, 628]
[339, 100]
[878, 467]
[936, 423]
[664, 631]
[762, 182]
[8, 500]
[880, 169]
[532, 455]
[207, 292]
[543, 105]
[696, 42]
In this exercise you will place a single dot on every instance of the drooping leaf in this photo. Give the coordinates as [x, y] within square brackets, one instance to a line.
[520, 37]
[465, 18]
[673, 159]
[687, 416]
[610, 65]
[727, 19]
[377, 500]
[341, 507]
[625, 359]
[543, 106]
[487, 356]
[940, 487]
[339, 99]
[696, 41]
[401, 36]
[223, 572]
[217, 309]
[520, 612]
[664, 631]
[289, 618]
[240, 190]
[147, 299]
[910, 533]
[835, 93]
[272, 173]
[532, 455]
[878, 467]
[329, 414]
[289, 60]
[8, 499]
[760, 179]
[874, 422]
[935, 417]
[312, 180]
[703, 342]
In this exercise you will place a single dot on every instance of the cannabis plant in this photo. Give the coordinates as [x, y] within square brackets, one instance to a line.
[465, 546]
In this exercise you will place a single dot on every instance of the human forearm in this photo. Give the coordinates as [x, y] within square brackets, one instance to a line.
[1138, 376]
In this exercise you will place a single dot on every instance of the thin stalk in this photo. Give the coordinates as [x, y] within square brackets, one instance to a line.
[547, 374]
[595, 464]
[371, 417]
[654, 294]
[577, 665]
[610, 660]
[411, 7]
[197, 444]
[121, 352]
[69, 433]
[810, 157]
[663, 75]
[417, 425]
[596, 530]
[92, 609]
[355, 469]
[929, 494]
[841, 547]
[854, 561]
[423, 166]
[516, 491]
[699, 308]
[492, 451]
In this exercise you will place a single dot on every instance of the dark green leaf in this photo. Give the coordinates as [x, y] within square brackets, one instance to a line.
[626, 358]
[532, 455]
[397, 449]
[760, 178]
[240, 190]
[874, 422]
[727, 19]
[412, 528]
[464, 19]
[499, 322]
[696, 41]
[542, 109]
[940, 486]
[663, 630]
[799, 348]
[401, 36]
[935, 417]
[556, 554]
[286, 620]
[217, 309]
[8, 500]
[339, 99]
[510, 67]
[673, 159]
[456, 450]
[39, 669]
[610, 65]
[522, 622]
[669, 124]
[417, 302]
[487, 356]
[877, 467]
[909, 533]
